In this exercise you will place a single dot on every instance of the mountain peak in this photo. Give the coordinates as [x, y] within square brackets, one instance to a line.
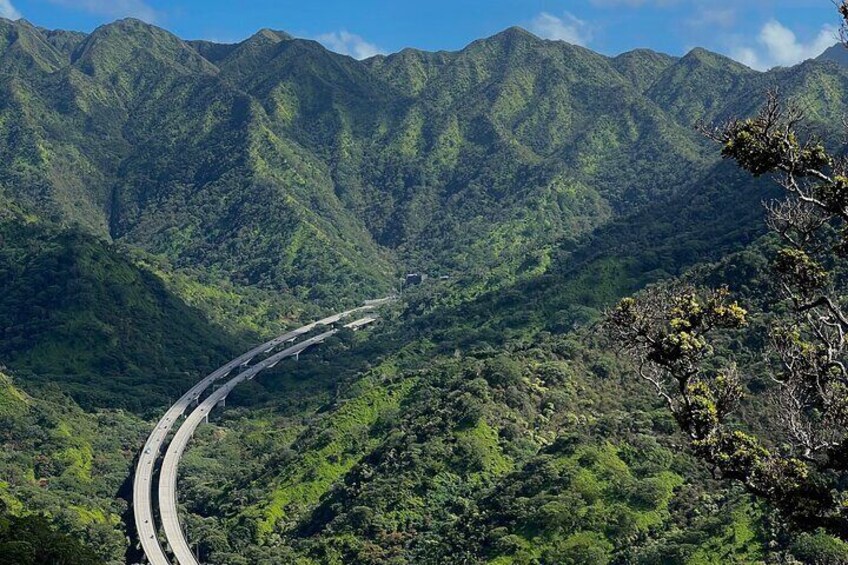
[700, 54]
[129, 24]
[514, 33]
[508, 39]
[263, 38]
[129, 46]
[642, 52]
[702, 57]
[22, 42]
[838, 54]
[273, 35]
[642, 67]
[129, 29]
[257, 48]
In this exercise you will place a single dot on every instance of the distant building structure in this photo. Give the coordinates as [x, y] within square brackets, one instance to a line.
[413, 279]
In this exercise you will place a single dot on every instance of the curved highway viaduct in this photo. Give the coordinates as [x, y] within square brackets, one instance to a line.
[170, 466]
[143, 480]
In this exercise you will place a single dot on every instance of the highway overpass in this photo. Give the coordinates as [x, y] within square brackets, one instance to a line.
[144, 475]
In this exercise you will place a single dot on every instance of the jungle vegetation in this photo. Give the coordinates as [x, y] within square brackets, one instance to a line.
[166, 203]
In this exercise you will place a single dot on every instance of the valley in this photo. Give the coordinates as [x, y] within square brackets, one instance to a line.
[165, 204]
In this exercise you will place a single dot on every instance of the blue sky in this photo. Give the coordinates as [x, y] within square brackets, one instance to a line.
[760, 33]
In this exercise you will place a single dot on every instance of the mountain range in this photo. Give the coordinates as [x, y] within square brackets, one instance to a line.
[166, 203]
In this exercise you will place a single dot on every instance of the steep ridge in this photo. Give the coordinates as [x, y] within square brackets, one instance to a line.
[835, 54]
[484, 423]
[701, 85]
[642, 66]
[24, 50]
[77, 315]
[499, 141]
[276, 163]
[138, 126]
[137, 60]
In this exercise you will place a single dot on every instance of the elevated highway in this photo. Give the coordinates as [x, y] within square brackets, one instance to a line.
[144, 473]
[170, 466]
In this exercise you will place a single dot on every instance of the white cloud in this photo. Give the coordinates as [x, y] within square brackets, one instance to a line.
[7, 10]
[567, 28]
[777, 45]
[112, 8]
[747, 56]
[348, 43]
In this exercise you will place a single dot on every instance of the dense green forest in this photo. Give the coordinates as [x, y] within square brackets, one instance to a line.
[531, 448]
[165, 204]
[277, 164]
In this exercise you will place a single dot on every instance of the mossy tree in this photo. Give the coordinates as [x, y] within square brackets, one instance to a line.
[669, 330]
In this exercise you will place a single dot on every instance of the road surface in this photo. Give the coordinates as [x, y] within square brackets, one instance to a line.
[143, 480]
[170, 466]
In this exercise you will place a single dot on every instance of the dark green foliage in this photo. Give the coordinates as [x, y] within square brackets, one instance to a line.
[76, 313]
[67, 465]
[820, 549]
[31, 541]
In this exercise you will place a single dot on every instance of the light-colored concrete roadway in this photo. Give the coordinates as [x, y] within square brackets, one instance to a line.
[170, 465]
[143, 479]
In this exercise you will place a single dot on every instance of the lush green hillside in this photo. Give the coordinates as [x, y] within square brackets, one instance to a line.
[147, 145]
[276, 164]
[76, 313]
[68, 466]
[164, 203]
[511, 443]
[520, 446]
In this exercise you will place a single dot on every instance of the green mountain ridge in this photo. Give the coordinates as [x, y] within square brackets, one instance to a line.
[313, 114]
[835, 54]
[164, 203]
[375, 163]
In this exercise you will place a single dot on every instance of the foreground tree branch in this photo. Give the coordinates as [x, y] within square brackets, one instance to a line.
[668, 330]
